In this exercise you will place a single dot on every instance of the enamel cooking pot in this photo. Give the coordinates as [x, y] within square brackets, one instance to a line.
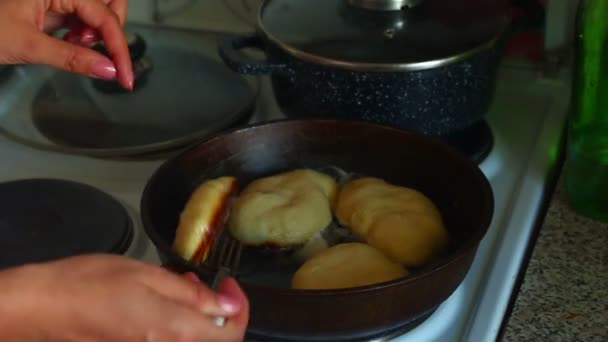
[457, 186]
[430, 68]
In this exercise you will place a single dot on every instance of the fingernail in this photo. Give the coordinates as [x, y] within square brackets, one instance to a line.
[192, 277]
[89, 38]
[131, 82]
[104, 68]
[228, 304]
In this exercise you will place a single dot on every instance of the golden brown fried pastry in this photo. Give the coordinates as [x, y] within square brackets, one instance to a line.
[283, 210]
[203, 216]
[401, 222]
[346, 265]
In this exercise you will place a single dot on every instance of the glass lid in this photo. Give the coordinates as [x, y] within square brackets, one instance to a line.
[183, 93]
[361, 31]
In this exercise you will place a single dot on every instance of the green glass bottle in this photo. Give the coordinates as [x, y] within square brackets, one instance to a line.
[586, 169]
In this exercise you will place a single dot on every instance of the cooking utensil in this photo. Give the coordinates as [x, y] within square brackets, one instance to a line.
[430, 68]
[454, 183]
[225, 257]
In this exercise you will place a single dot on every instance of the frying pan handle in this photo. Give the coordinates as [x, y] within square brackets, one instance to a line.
[239, 62]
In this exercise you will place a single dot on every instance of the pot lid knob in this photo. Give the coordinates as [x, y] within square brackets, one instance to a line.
[384, 5]
[142, 65]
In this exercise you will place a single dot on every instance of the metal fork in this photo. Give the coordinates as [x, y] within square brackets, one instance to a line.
[225, 256]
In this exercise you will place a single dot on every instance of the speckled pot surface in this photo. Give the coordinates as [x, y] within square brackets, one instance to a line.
[436, 101]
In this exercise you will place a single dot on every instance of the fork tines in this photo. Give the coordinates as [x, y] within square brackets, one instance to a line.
[225, 257]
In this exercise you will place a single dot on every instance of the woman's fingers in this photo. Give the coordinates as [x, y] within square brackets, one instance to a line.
[185, 323]
[88, 22]
[85, 36]
[230, 288]
[70, 57]
[192, 293]
[101, 18]
[54, 21]
[235, 327]
[112, 298]
[79, 33]
[120, 8]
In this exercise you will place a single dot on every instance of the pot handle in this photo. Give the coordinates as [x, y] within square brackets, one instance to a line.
[231, 55]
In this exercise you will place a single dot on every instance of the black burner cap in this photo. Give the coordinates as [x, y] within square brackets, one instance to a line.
[47, 219]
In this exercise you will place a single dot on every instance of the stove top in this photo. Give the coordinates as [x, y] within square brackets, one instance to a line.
[475, 142]
[48, 219]
[522, 135]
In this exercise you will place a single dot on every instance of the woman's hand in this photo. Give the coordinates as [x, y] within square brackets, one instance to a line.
[24, 40]
[113, 298]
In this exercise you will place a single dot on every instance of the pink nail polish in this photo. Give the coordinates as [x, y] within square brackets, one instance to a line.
[104, 68]
[192, 277]
[89, 38]
[131, 82]
[228, 304]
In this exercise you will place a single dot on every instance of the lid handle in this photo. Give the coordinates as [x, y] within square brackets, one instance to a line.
[384, 5]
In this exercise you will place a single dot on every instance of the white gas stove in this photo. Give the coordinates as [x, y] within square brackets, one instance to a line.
[527, 120]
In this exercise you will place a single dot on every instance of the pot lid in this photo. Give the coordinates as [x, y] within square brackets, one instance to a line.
[183, 93]
[185, 96]
[373, 32]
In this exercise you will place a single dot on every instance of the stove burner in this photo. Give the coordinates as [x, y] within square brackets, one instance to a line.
[46, 219]
[476, 141]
